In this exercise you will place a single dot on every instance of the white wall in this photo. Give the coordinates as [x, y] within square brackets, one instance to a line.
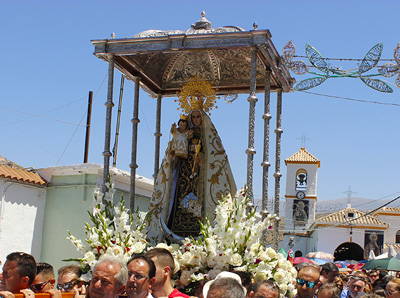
[69, 197]
[394, 226]
[312, 177]
[330, 238]
[21, 218]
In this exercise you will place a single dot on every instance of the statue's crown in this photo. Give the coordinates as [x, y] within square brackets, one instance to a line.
[184, 117]
[197, 94]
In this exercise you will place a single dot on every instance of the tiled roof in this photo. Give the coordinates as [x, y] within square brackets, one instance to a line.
[4, 161]
[302, 156]
[387, 211]
[395, 246]
[341, 218]
[21, 175]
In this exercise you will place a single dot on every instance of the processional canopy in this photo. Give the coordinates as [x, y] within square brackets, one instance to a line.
[165, 60]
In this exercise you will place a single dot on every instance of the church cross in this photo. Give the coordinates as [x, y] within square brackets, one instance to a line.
[349, 192]
[303, 140]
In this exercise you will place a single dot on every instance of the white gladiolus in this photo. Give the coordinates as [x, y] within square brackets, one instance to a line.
[233, 243]
[113, 231]
[138, 247]
[89, 256]
[271, 253]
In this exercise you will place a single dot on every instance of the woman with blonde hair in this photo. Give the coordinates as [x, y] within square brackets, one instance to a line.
[393, 288]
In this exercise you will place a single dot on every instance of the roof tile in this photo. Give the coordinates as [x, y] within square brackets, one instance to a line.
[302, 156]
[21, 175]
[359, 219]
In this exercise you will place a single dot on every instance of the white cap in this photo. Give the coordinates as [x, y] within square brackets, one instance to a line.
[223, 274]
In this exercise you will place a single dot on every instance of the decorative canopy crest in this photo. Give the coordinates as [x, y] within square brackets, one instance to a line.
[369, 62]
[197, 94]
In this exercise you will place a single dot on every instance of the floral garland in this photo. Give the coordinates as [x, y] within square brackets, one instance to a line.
[114, 231]
[232, 244]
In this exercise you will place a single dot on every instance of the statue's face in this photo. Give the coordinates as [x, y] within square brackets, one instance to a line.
[196, 118]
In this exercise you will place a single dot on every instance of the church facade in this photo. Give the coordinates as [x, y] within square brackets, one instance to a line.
[346, 234]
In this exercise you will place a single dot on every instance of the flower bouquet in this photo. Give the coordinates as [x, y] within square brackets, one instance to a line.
[233, 244]
[114, 231]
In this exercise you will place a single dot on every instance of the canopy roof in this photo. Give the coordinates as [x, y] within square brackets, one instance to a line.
[164, 60]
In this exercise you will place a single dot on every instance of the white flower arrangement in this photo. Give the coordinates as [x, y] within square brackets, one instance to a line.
[233, 243]
[114, 231]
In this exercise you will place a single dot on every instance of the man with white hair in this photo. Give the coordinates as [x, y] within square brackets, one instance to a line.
[110, 275]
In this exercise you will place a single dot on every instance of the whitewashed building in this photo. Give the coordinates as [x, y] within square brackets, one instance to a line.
[346, 234]
[39, 207]
[22, 207]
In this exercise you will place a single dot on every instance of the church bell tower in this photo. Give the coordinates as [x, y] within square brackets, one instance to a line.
[301, 199]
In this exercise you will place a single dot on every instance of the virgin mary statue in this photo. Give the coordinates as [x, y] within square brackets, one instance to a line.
[187, 190]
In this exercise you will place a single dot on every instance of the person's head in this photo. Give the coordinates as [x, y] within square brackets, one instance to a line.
[392, 289]
[109, 278]
[383, 273]
[165, 266]
[225, 287]
[182, 124]
[246, 281]
[356, 285]
[19, 271]
[196, 118]
[328, 290]
[141, 273]
[339, 283]
[266, 289]
[44, 279]
[384, 281]
[298, 253]
[308, 281]
[345, 278]
[301, 265]
[329, 271]
[373, 275]
[68, 278]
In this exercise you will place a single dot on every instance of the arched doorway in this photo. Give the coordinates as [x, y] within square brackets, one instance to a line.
[349, 251]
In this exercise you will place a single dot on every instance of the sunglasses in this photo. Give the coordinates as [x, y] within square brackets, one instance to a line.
[67, 286]
[38, 287]
[309, 284]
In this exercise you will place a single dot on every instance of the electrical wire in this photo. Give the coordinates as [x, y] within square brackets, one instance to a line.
[40, 115]
[69, 142]
[29, 137]
[73, 134]
[353, 99]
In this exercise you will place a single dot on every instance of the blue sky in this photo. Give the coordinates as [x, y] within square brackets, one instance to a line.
[48, 69]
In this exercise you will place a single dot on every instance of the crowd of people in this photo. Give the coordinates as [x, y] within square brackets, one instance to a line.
[150, 275]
